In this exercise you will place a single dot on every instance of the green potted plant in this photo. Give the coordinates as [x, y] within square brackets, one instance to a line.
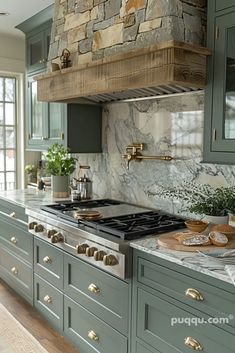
[31, 171]
[60, 165]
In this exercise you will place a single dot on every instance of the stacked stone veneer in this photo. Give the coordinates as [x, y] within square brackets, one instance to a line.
[94, 29]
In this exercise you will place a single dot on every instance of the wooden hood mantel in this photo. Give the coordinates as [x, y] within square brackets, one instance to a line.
[165, 68]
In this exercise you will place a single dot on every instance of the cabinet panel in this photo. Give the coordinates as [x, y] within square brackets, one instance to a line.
[223, 4]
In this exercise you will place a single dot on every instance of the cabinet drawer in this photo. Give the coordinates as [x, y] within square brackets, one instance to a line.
[16, 273]
[89, 333]
[142, 349]
[18, 241]
[12, 211]
[156, 327]
[216, 302]
[48, 262]
[106, 296]
[49, 301]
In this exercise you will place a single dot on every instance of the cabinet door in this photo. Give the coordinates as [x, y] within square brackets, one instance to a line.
[56, 122]
[223, 4]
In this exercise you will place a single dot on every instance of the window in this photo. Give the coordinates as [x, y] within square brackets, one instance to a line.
[7, 133]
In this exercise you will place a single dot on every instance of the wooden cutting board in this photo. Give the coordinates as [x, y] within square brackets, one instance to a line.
[167, 241]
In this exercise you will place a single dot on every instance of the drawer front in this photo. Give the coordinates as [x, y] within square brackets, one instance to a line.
[142, 349]
[89, 333]
[48, 262]
[16, 273]
[49, 301]
[215, 301]
[157, 325]
[17, 240]
[12, 211]
[106, 296]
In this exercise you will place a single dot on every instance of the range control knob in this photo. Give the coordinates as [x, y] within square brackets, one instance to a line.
[31, 225]
[57, 238]
[99, 255]
[81, 248]
[38, 228]
[110, 260]
[51, 232]
[90, 251]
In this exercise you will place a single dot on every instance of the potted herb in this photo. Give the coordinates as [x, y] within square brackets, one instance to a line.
[60, 165]
[31, 171]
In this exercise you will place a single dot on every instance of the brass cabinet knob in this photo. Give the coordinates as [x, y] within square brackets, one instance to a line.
[81, 248]
[194, 294]
[93, 288]
[57, 238]
[12, 215]
[47, 260]
[31, 225]
[38, 228]
[110, 260]
[14, 240]
[51, 232]
[90, 251]
[14, 271]
[47, 299]
[99, 255]
[93, 336]
[193, 344]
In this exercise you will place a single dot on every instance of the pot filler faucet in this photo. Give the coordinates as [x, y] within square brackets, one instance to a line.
[133, 154]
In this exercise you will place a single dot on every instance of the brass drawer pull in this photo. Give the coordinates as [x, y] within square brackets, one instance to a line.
[93, 336]
[12, 215]
[47, 299]
[14, 271]
[193, 344]
[194, 294]
[14, 240]
[93, 288]
[47, 260]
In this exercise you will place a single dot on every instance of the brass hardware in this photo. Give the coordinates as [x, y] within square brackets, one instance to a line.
[93, 336]
[47, 260]
[214, 134]
[81, 248]
[14, 271]
[216, 32]
[133, 154]
[194, 294]
[13, 240]
[62, 136]
[47, 299]
[99, 255]
[38, 228]
[90, 251]
[57, 238]
[31, 225]
[42, 61]
[110, 260]
[93, 288]
[12, 215]
[51, 232]
[193, 344]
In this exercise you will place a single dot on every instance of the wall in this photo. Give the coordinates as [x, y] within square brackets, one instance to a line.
[12, 56]
[171, 126]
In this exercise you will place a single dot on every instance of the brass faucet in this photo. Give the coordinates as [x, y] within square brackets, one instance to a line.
[133, 154]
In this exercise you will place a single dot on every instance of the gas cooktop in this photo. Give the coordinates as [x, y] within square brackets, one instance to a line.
[117, 218]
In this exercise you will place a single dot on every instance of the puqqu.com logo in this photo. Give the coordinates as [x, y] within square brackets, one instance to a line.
[195, 321]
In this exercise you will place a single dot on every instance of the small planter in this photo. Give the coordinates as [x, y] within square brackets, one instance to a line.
[60, 186]
[217, 219]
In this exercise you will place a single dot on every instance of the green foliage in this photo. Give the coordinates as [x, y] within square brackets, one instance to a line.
[30, 168]
[58, 161]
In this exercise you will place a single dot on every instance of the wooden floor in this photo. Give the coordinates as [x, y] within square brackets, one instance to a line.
[32, 321]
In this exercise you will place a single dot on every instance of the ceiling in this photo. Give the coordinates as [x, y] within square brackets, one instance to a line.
[19, 11]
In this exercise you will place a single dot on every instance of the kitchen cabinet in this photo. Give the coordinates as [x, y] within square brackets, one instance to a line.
[219, 131]
[166, 297]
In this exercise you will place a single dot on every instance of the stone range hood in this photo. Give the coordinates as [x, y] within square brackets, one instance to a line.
[165, 68]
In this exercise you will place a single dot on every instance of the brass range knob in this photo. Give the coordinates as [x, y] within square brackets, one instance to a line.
[93, 288]
[47, 299]
[14, 240]
[193, 344]
[51, 232]
[99, 255]
[90, 251]
[38, 228]
[14, 271]
[194, 294]
[92, 335]
[110, 260]
[31, 225]
[57, 238]
[81, 248]
[47, 260]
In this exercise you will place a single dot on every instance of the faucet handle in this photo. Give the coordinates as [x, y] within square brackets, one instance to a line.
[134, 148]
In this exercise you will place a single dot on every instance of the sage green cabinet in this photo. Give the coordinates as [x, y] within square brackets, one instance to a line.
[219, 132]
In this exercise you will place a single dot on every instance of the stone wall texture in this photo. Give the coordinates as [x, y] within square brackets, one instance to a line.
[94, 29]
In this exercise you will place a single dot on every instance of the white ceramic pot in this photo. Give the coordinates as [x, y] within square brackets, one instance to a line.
[217, 219]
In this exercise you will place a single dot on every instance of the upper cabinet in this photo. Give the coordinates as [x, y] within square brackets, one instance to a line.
[219, 134]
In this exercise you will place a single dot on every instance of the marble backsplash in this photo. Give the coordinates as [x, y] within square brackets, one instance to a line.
[168, 126]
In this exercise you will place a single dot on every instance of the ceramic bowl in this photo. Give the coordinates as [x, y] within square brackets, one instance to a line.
[196, 225]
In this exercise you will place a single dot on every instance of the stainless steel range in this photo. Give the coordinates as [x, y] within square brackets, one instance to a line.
[99, 231]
